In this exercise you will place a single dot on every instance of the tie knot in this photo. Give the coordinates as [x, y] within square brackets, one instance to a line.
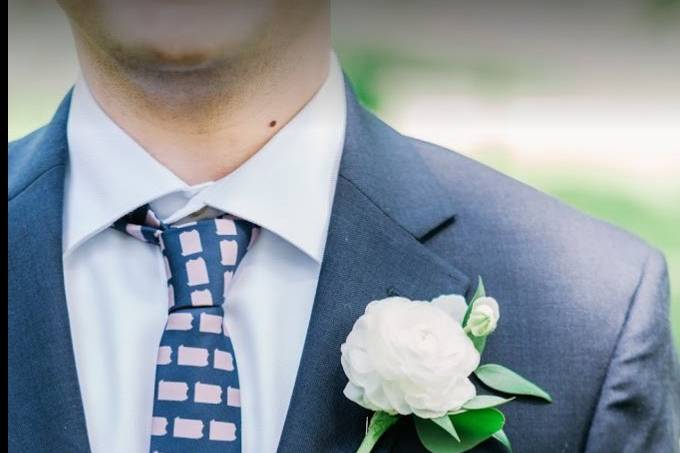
[200, 257]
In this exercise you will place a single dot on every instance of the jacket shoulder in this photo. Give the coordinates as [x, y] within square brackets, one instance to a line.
[529, 218]
[19, 151]
[33, 155]
[44, 149]
[570, 287]
[538, 252]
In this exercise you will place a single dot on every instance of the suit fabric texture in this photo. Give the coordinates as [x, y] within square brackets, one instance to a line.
[584, 305]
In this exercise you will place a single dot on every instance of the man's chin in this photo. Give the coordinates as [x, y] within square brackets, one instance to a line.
[169, 61]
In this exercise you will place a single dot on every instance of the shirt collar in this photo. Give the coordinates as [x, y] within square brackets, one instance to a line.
[287, 187]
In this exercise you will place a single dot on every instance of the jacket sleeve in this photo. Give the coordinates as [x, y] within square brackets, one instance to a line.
[639, 406]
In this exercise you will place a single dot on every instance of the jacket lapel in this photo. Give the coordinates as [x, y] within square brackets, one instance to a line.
[385, 201]
[45, 408]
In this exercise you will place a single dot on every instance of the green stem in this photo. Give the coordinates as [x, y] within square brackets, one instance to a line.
[380, 422]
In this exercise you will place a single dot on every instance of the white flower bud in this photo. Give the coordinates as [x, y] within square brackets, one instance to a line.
[483, 317]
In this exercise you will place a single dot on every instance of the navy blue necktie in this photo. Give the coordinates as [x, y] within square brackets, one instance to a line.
[197, 406]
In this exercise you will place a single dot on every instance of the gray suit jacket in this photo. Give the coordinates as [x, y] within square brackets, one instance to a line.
[584, 304]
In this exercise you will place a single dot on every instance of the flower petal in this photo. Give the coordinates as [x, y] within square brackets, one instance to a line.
[453, 305]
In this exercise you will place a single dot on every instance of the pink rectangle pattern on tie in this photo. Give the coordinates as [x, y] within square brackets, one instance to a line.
[207, 393]
[223, 360]
[210, 323]
[197, 272]
[179, 321]
[172, 391]
[229, 252]
[164, 355]
[233, 397]
[192, 356]
[225, 227]
[187, 428]
[190, 242]
[201, 297]
[224, 431]
[159, 426]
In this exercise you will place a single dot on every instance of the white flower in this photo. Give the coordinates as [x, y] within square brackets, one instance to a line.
[453, 304]
[406, 357]
[483, 316]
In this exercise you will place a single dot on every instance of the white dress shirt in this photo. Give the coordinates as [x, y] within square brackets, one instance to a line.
[115, 285]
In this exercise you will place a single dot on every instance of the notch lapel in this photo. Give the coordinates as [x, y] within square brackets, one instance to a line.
[44, 408]
[385, 200]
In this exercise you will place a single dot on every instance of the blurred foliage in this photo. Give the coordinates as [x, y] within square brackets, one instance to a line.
[664, 5]
[486, 77]
[663, 13]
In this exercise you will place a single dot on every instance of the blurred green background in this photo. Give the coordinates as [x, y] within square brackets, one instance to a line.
[579, 99]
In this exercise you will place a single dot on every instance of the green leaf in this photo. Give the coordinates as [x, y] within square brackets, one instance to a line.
[479, 292]
[486, 401]
[446, 424]
[501, 437]
[380, 422]
[507, 381]
[478, 342]
[473, 428]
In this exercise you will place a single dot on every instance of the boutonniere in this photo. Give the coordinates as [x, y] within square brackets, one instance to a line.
[415, 358]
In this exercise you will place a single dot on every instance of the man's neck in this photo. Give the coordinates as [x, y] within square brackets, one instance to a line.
[203, 124]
